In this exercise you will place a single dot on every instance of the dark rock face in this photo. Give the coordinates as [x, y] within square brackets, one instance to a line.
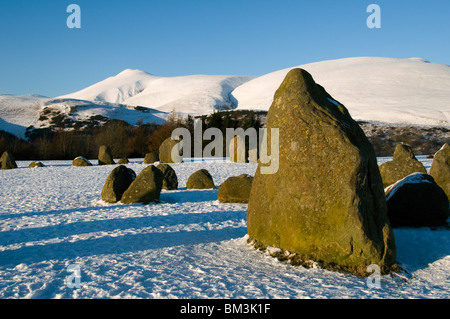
[235, 189]
[326, 201]
[201, 179]
[170, 179]
[117, 183]
[440, 169]
[105, 156]
[417, 201]
[403, 164]
[145, 188]
[7, 161]
[151, 157]
[81, 161]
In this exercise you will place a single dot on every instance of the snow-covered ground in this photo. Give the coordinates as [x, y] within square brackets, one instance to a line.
[188, 246]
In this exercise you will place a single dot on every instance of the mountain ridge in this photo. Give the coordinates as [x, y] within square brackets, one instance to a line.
[410, 91]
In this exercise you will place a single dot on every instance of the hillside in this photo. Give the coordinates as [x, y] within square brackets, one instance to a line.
[192, 94]
[399, 91]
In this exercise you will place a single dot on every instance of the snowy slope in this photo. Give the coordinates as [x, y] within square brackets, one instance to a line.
[389, 90]
[17, 112]
[193, 94]
[188, 246]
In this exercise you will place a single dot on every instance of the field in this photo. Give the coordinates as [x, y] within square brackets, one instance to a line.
[189, 245]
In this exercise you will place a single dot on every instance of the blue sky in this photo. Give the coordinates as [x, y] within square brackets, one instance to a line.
[39, 54]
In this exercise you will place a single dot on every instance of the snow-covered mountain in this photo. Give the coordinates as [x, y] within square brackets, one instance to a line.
[388, 90]
[411, 91]
[192, 94]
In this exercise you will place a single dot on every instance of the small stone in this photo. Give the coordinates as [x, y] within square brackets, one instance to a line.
[201, 179]
[117, 183]
[145, 188]
[81, 161]
[170, 180]
[235, 189]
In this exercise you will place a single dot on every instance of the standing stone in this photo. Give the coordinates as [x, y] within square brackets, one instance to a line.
[201, 179]
[440, 169]
[151, 157]
[145, 188]
[117, 183]
[403, 164]
[105, 155]
[417, 201]
[165, 151]
[235, 189]
[81, 161]
[7, 161]
[170, 180]
[238, 151]
[326, 201]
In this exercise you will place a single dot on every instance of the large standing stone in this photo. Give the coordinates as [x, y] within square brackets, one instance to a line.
[105, 155]
[326, 201]
[235, 189]
[170, 180]
[440, 169]
[201, 179]
[145, 188]
[403, 164]
[117, 183]
[7, 161]
[151, 157]
[417, 201]
[81, 161]
[165, 151]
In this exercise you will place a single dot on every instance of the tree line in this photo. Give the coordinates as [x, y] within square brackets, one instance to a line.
[124, 139]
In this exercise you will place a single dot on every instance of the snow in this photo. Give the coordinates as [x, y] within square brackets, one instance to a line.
[17, 112]
[187, 246]
[387, 90]
[374, 89]
[191, 94]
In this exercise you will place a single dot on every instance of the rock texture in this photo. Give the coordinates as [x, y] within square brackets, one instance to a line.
[151, 157]
[440, 169]
[326, 201]
[170, 179]
[201, 179]
[117, 183]
[7, 161]
[105, 156]
[417, 201]
[165, 151]
[235, 189]
[403, 164]
[81, 161]
[145, 188]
